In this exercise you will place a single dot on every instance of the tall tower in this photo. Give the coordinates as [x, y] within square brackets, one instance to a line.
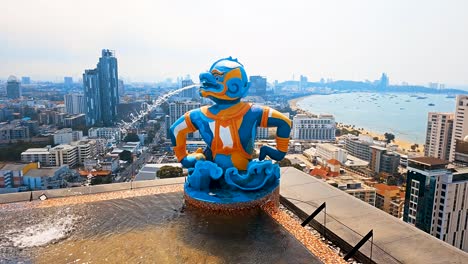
[13, 88]
[439, 135]
[460, 126]
[101, 91]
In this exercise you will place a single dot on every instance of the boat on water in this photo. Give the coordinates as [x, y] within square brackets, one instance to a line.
[431, 104]
[413, 95]
[450, 96]
[421, 97]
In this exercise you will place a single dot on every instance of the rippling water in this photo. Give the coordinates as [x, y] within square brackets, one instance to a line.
[148, 229]
[399, 113]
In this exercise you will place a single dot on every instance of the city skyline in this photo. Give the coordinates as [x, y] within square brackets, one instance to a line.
[415, 42]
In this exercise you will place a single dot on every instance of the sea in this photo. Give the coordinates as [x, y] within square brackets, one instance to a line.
[402, 114]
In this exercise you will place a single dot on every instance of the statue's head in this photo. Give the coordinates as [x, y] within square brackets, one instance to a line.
[226, 81]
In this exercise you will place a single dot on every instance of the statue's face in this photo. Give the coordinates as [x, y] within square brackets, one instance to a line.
[226, 80]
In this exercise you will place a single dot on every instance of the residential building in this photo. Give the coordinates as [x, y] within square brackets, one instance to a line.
[384, 161]
[101, 91]
[41, 155]
[26, 80]
[121, 88]
[436, 200]
[105, 132]
[191, 93]
[11, 174]
[68, 81]
[460, 123]
[439, 135]
[461, 152]
[390, 199]
[75, 121]
[66, 136]
[13, 132]
[178, 109]
[85, 149]
[359, 146]
[64, 155]
[45, 178]
[75, 104]
[354, 187]
[328, 151]
[258, 85]
[13, 89]
[313, 127]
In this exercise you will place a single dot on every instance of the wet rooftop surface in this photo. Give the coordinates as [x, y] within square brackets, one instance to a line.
[146, 229]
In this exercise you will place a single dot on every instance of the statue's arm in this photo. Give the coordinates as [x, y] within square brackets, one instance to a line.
[178, 133]
[273, 118]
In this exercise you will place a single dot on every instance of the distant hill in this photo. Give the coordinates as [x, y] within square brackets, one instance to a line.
[353, 86]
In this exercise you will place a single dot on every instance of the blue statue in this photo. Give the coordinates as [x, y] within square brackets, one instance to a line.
[228, 127]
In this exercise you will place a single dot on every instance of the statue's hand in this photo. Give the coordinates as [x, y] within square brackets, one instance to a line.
[192, 158]
[271, 152]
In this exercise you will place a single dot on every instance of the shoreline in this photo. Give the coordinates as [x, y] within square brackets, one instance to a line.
[403, 145]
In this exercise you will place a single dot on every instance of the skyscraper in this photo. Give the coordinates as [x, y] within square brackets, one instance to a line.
[13, 88]
[101, 91]
[25, 80]
[460, 126]
[439, 135]
[75, 104]
[258, 85]
[436, 200]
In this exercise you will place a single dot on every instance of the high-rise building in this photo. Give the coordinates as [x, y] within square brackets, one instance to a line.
[25, 80]
[191, 93]
[13, 88]
[258, 85]
[383, 161]
[75, 104]
[178, 109]
[101, 91]
[436, 200]
[121, 88]
[313, 127]
[460, 123]
[439, 135]
[461, 152]
[389, 199]
[68, 82]
[302, 82]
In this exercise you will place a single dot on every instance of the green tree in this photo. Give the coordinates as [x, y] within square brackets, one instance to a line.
[126, 156]
[389, 137]
[285, 163]
[169, 172]
[131, 137]
[298, 166]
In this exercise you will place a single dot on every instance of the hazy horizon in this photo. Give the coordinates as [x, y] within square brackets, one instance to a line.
[416, 42]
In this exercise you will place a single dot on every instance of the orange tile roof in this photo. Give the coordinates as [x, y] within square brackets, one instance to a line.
[386, 187]
[95, 173]
[319, 172]
[333, 162]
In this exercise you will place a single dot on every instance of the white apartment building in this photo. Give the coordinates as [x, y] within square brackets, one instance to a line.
[460, 123]
[85, 149]
[41, 155]
[328, 151]
[313, 127]
[178, 109]
[63, 155]
[66, 135]
[105, 132]
[439, 135]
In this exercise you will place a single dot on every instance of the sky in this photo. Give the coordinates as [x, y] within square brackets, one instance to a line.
[417, 41]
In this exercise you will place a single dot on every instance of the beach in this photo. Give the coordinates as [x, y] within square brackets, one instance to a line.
[403, 145]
